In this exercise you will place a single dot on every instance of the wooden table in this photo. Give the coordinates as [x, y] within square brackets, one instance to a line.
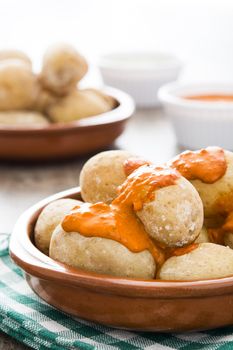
[148, 133]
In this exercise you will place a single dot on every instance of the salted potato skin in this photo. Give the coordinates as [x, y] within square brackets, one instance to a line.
[23, 119]
[62, 68]
[175, 216]
[77, 105]
[101, 175]
[100, 255]
[18, 88]
[211, 194]
[49, 218]
[207, 261]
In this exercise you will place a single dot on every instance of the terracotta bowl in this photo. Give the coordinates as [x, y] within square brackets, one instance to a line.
[64, 140]
[144, 305]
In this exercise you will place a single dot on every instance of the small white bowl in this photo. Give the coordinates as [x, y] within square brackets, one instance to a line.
[140, 74]
[199, 123]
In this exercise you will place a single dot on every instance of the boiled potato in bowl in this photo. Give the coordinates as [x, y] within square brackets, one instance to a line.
[54, 91]
[142, 221]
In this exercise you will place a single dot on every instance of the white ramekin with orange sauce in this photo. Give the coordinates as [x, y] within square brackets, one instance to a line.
[202, 114]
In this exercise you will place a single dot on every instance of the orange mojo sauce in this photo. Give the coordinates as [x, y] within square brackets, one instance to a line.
[134, 163]
[210, 97]
[208, 166]
[205, 165]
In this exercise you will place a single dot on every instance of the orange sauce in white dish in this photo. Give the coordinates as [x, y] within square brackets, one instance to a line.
[210, 97]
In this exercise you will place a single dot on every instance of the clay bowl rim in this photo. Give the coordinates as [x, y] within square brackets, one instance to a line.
[32, 261]
[121, 112]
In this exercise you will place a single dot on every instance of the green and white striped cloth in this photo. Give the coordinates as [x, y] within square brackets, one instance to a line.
[27, 318]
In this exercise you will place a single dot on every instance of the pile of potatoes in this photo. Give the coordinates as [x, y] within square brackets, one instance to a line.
[178, 216]
[29, 99]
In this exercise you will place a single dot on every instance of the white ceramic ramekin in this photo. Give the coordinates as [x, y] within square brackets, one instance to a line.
[197, 123]
[140, 74]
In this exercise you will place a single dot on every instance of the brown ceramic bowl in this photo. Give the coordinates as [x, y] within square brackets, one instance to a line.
[144, 305]
[63, 140]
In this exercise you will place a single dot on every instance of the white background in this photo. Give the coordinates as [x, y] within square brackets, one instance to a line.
[198, 31]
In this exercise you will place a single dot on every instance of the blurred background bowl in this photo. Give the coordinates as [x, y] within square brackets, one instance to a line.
[67, 140]
[199, 123]
[140, 74]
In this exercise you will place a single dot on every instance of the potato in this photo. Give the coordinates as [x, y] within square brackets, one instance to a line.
[44, 98]
[109, 99]
[62, 68]
[175, 217]
[23, 119]
[100, 255]
[217, 197]
[207, 261]
[77, 105]
[18, 88]
[101, 175]
[49, 218]
[203, 236]
[15, 54]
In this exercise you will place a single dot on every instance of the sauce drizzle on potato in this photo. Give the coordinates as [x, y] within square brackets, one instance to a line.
[134, 163]
[207, 165]
[118, 221]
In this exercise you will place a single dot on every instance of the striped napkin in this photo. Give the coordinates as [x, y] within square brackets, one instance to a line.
[30, 320]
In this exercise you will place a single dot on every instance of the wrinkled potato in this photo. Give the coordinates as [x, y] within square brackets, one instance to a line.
[18, 88]
[207, 261]
[49, 218]
[203, 236]
[62, 68]
[15, 54]
[23, 119]
[217, 198]
[100, 255]
[175, 217]
[79, 104]
[109, 99]
[44, 98]
[101, 175]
